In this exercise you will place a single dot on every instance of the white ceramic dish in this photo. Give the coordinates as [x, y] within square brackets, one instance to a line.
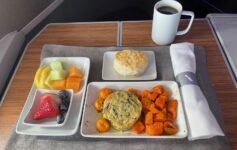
[47, 122]
[108, 72]
[71, 126]
[90, 115]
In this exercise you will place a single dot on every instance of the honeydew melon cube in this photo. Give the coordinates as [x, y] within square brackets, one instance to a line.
[57, 75]
[56, 65]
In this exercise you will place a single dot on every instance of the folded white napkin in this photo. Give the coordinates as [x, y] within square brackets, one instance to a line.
[201, 122]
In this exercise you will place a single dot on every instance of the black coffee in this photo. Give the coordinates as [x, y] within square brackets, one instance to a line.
[167, 10]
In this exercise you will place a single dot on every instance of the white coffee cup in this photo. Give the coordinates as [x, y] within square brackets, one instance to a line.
[166, 18]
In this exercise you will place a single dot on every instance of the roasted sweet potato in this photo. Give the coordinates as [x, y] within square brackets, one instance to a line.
[158, 89]
[149, 118]
[144, 93]
[155, 129]
[165, 93]
[102, 125]
[170, 128]
[152, 95]
[138, 127]
[104, 93]
[164, 111]
[160, 117]
[146, 103]
[133, 91]
[172, 109]
[98, 104]
[153, 108]
[164, 97]
[160, 102]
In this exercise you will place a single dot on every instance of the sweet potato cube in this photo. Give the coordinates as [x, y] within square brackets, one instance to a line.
[149, 118]
[158, 89]
[164, 97]
[144, 93]
[98, 104]
[138, 127]
[133, 91]
[170, 128]
[160, 117]
[172, 109]
[146, 103]
[160, 102]
[155, 129]
[165, 93]
[152, 96]
[153, 108]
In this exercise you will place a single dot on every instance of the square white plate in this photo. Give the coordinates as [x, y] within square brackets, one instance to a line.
[108, 72]
[90, 115]
[47, 122]
[71, 126]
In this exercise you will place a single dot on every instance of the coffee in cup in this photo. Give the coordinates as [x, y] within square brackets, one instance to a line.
[167, 10]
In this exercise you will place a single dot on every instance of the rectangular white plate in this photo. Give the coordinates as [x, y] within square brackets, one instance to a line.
[90, 115]
[108, 72]
[71, 126]
[47, 122]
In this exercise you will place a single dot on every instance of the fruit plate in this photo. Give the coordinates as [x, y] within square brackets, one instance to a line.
[90, 115]
[74, 116]
[47, 122]
[108, 72]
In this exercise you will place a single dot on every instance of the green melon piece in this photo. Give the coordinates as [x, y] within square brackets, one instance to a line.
[56, 65]
[57, 75]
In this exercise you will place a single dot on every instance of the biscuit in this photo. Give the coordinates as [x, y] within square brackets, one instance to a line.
[130, 62]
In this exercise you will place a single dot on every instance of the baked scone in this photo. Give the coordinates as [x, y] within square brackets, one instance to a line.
[130, 62]
[122, 109]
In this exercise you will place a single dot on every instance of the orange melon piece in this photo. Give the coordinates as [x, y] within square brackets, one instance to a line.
[73, 83]
[58, 84]
[74, 72]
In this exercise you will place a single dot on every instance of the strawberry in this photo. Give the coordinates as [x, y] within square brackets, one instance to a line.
[48, 108]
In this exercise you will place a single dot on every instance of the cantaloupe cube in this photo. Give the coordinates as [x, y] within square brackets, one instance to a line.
[73, 83]
[58, 84]
[74, 72]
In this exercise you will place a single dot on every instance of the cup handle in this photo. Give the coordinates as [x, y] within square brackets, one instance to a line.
[186, 13]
